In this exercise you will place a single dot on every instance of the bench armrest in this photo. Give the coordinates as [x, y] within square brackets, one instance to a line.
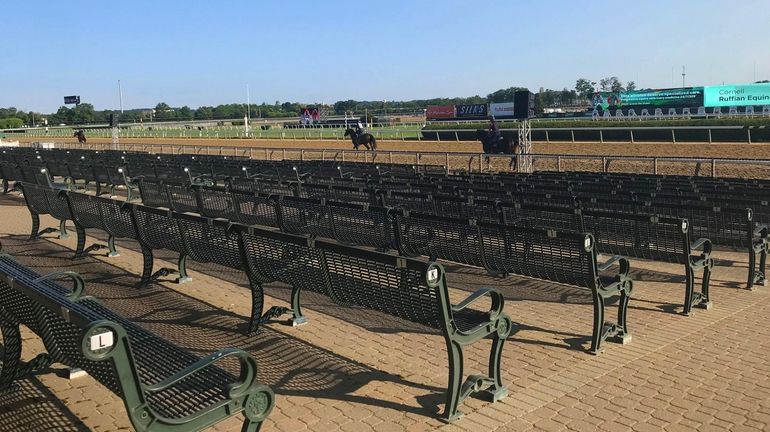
[702, 242]
[247, 376]
[78, 287]
[498, 301]
[760, 230]
[621, 260]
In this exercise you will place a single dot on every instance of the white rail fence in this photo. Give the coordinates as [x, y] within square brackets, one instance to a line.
[473, 162]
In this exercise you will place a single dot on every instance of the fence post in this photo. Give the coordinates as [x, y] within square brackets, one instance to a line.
[604, 164]
[446, 161]
[748, 133]
[601, 136]
[709, 136]
[301, 155]
[284, 154]
[323, 154]
[655, 166]
[558, 163]
[673, 136]
[390, 158]
[632, 135]
[546, 136]
[713, 167]
[457, 138]
[572, 132]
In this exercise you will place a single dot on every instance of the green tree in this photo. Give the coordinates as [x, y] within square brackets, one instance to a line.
[11, 123]
[585, 88]
[164, 112]
[83, 113]
[611, 84]
[631, 86]
[185, 113]
[340, 107]
[504, 95]
[204, 113]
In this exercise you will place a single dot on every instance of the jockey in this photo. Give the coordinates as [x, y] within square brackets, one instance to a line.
[494, 131]
[359, 129]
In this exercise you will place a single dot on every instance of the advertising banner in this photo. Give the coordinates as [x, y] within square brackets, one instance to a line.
[501, 110]
[71, 100]
[736, 95]
[473, 110]
[673, 97]
[440, 111]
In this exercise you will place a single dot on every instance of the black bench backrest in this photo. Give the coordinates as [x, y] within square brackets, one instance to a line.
[453, 239]
[116, 217]
[216, 202]
[275, 256]
[182, 198]
[255, 208]
[542, 216]
[305, 216]
[565, 257]
[652, 237]
[57, 203]
[35, 198]
[208, 240]
[393, 285]
[362, 224]
[85, 210]
[723, 226]
[153, 193]
[156, 228]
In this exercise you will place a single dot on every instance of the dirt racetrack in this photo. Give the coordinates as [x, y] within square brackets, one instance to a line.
[608, 150]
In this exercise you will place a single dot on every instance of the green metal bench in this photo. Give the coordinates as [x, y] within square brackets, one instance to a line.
[163, 387]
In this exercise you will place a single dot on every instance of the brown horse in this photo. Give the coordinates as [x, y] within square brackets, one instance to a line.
[81, 136]
[367, 140]
[506, 145]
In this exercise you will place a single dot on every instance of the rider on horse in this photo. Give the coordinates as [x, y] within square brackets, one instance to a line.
[359, 129]
[494, 132]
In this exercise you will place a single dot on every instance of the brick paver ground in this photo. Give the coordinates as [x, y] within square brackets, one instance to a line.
[355, 370]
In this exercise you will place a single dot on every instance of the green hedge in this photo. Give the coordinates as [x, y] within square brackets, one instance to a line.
[608, 123]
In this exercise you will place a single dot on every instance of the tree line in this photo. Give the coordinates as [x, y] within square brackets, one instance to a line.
[85, 113]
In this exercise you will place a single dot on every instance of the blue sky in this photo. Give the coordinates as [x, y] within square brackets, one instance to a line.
[205, 53]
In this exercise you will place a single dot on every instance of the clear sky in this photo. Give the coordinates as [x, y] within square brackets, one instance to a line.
[205, 52]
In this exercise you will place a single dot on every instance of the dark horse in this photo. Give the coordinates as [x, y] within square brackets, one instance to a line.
[506, 145]
[80, 136]
[367, 140]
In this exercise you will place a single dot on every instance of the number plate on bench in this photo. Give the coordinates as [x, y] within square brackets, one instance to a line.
[102, 340]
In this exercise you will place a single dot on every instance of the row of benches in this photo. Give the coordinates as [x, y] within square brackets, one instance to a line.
[411, 289]
[465, 240]
[562, 257]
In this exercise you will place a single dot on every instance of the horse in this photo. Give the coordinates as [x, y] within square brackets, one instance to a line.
[80, 136]
[366, 139]
[506, 145]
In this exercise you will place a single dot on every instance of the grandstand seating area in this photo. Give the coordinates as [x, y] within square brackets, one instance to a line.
[371, 237]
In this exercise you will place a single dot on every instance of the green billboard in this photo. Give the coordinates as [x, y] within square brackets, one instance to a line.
[652, 98]
[736, 95]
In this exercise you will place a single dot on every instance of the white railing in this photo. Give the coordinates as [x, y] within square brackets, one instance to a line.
[475, 162]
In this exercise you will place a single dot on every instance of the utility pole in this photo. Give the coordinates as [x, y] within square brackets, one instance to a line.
[120, 93]
[683, 75]
[248, 109]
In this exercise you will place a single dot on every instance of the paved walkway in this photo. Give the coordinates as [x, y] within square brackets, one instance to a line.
[356, 370]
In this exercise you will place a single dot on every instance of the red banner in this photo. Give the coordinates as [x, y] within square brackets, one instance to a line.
[440, 111]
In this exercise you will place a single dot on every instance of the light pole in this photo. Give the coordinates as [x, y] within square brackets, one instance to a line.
[120, 93]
